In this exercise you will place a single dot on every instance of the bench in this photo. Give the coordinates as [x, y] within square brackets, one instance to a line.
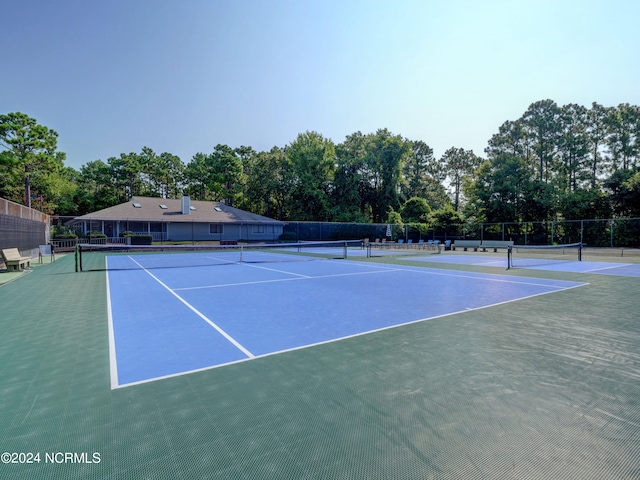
[464, 244]
[495, 244]
[12, 258]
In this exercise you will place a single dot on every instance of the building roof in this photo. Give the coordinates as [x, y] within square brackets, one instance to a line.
[148, 209]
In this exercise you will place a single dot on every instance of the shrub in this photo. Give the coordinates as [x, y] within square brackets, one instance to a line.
[141, 239]
[60, 232]
[289, 237]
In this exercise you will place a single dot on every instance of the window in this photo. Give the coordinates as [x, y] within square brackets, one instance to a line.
[258, 229]
[216, 228]
[192, 208]
[137, 205]
[217, 209]
[163, 206]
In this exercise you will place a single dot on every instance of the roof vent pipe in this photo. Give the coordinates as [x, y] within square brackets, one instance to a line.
[186, 204]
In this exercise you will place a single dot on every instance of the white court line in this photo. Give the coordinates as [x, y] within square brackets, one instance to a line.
[607, 268]
[275, 270]
[197, 312]
[300, 277]
[113, 362]
[481, 276]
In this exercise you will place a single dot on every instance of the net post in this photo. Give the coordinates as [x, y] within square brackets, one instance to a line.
[344, 250]
[509, 256]
[76, 257]
[580, 252]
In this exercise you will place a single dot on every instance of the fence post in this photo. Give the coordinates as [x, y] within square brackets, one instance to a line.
[611, 223]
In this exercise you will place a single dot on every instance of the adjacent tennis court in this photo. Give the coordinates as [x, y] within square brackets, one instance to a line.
[559, 258]
[167, 319]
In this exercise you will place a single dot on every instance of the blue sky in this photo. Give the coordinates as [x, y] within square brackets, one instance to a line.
[183, 76]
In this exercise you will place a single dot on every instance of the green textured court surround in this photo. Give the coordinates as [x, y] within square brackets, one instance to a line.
[546, 387]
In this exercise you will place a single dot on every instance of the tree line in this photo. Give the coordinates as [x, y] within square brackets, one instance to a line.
[554, 162]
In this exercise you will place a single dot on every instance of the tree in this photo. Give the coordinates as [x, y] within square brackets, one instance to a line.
[126, 173]
[227, 174]
[246, 156]
[352, 193]
[633, 191]
[573, 147]
[447, 220]
[512, 139]
[597, 133]
[269, 183]
[419, 168]
[622, 188]
[541, 125]
[385, 156]
[197, 177]
[32, 148]
[312, 160]
[60, 188]
[623, 140]
[502, 189]
[416, 210]
[168, 175]
[97, 189]
[459, 163]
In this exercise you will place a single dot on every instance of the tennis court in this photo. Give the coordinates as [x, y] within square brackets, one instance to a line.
[167, 319]
[362, 368]
[556, 258]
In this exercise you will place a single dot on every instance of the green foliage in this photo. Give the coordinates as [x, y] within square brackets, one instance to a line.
[447, 220]
[141, 239]
[395, 220]
[552, 163]
[585, 203]
[416, 210]
[289, 237]
[29, 155]
[137, 238]
[60, 232]
[459, 164]
[311, 158]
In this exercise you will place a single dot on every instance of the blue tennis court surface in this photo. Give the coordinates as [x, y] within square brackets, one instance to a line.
[601, 268]
[604, 268]
[478, 260]
[171, 321]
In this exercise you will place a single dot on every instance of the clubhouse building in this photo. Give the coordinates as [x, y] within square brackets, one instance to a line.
[180, 220]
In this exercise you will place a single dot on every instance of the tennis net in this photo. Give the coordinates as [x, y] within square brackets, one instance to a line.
[130, 257]
[523, 256]
[395, 249]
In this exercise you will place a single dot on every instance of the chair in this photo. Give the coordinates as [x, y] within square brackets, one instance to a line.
[46, 250]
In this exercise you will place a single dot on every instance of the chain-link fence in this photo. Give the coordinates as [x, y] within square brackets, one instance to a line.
[618, 232]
